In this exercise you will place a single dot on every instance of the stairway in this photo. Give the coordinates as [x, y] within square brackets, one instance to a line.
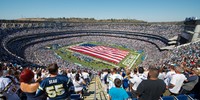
[100, 93]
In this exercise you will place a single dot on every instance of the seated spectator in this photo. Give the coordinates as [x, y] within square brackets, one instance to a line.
[78, 83]
[152, 88]
[193, 79]
[28, 86]
[117, 93]
[177, 81]
[55, 86]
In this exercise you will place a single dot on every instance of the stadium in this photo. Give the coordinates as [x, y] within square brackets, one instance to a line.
[97, 47]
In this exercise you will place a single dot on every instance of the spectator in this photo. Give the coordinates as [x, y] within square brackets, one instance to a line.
[193, 79]
[141, 73]
[28, 86]
[113, 77]
[8, 87]
[135, 81]
[152, 88]
[55, 86]
[177, 81]
[169, 74]
[117, 92]
[78, 83]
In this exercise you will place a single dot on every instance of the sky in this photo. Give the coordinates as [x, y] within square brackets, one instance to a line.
[147, 10]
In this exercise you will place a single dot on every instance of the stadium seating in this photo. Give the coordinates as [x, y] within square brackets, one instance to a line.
[193, 96]
[168, 98]
[75, 97]
[182, 97]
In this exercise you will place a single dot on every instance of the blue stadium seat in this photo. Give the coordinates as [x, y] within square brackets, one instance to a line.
[75, 97]
[182, 97]
[129, 94]
[194, 96]
[134, 98]
[167, 98]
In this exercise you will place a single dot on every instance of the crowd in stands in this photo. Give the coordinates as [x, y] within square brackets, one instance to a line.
[179, 74]
[52, 83]
[165, 67]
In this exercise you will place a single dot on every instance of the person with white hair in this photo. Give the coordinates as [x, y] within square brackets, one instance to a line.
[177, 81]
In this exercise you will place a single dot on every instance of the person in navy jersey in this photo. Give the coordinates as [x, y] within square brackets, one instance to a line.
[55, 86]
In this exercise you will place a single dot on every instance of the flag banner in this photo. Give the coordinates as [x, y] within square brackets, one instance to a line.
[109, 54]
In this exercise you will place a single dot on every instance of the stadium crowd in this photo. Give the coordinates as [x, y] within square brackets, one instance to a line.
[165, 67]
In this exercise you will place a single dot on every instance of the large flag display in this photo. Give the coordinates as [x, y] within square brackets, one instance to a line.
[109, 54]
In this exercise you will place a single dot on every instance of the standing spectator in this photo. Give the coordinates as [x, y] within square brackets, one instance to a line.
[113, 77]
[78, 83]
[135, 81]
[55, 86]
[8, 88]
[28, 86]
[169, 75]
[117, 93]
[152, 88]
[141, 73]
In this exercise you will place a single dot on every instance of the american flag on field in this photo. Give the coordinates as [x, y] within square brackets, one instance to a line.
[109, 54]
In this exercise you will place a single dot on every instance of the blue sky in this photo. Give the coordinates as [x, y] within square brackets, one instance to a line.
[148, 10]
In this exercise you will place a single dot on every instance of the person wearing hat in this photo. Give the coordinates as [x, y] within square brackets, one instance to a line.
[177, 81]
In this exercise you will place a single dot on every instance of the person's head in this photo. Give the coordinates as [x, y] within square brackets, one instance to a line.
[135, 70]
[53, 69]
[118, 82]
[114, 70]
[179, 70]
[77, 77]
[171, 67]
[153, 73]
[26, 76]
[141, 70]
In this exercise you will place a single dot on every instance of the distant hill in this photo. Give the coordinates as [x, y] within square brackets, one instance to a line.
[83, 20]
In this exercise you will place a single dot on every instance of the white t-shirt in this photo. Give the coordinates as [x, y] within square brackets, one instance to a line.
[10, 94]
[142, 76]
[168, 77]
[78, 86]
[136, 81]
[162, 75]
[85, 75]
[177, 80]
[112, 79]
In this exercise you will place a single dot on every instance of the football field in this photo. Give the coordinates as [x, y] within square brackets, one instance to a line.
[99, 56]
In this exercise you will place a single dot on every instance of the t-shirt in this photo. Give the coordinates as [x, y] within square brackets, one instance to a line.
[112, 78]
[151, 89]
[78, 86]
[177, 80]
[168, 77]
[8, 88]
[118, 94]
[55, 87]
[136, 81]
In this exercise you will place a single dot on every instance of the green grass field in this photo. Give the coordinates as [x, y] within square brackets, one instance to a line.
[131, 60]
